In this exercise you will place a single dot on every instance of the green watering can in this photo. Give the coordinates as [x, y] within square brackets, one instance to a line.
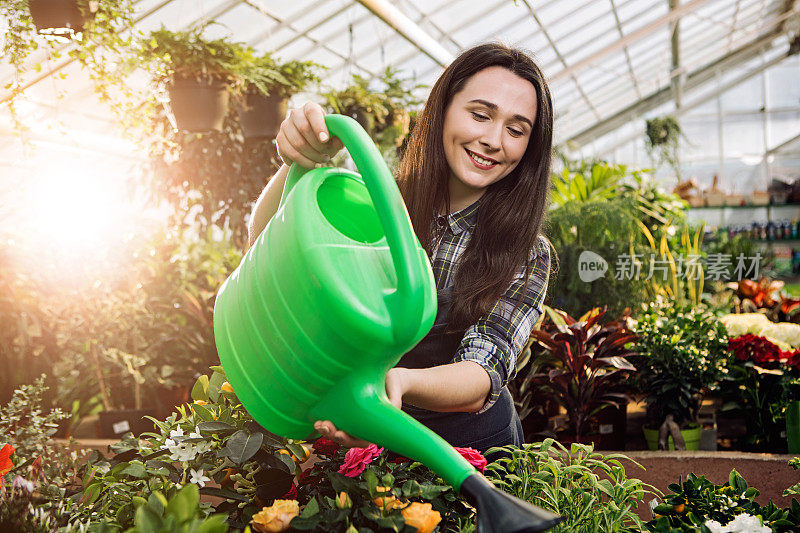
[333, 292]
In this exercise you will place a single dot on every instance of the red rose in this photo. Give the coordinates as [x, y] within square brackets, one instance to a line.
[292, 494]
[474, 458]
[323, 446]
[357, 459]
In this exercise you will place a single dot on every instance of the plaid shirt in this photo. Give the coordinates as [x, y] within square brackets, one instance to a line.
[497, 339]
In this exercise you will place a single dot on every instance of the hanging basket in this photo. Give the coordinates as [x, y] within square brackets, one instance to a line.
[260, 116]
[198, 106]
[58, 18]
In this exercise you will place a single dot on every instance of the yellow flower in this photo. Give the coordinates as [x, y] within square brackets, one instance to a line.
[343, 501]
[421, 516]
[276, 517]
[385, 499]
[201, 402]
[226, 387]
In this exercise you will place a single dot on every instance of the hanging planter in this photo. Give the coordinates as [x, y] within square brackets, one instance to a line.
[266, 88]
[198, 106]
[260, 116]
[57, 18]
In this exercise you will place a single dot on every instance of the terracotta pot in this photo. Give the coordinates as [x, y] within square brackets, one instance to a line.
[56, 17]
[198, 106]
[260, 116]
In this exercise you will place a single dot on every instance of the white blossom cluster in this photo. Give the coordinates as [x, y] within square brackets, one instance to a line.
[743, 523]
[181, 449]
[784, 334]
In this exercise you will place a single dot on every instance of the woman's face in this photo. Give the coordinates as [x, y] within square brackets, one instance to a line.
[486, 131]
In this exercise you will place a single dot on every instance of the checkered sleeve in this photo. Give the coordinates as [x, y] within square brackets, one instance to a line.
[497, 339]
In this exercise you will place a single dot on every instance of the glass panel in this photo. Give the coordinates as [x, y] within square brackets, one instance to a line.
[747, 96]
[782, 126]
[742, 135]
[783, 84]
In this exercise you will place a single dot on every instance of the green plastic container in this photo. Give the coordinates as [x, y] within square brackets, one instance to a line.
[691, 437]
[330, 296]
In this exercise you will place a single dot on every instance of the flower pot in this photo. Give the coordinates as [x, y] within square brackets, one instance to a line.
[260, 116]
[198, 106]
[114, 424]
[170, 398]
[691, 437]
[613, 426]
[60, 18]
[793, 426]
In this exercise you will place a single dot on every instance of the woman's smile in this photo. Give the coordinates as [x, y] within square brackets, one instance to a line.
[482, 162]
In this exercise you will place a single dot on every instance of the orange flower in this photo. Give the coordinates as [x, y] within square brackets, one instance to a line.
[421, 516]
[276, 517]
[386, 500]
[201, 402]
[5, 459]
[343, 501]
[226, 387]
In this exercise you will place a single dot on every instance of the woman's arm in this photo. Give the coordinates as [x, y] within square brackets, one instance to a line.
[304, 139]
[267, 204]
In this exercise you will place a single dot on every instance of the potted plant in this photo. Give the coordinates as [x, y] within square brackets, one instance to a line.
[100, 25]
[583, 365]
[682, 353]
[116, 420]
[663, 134]
[199, 75]
[267, 86]
[382, 112]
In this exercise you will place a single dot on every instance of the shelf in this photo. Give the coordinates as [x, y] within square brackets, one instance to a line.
[750, 207]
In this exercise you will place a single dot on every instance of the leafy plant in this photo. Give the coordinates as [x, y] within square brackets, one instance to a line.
[696, 501]
[608, 228]
[266, 75]
[181, 514]
[213, 438]
[662, 136]
[383, 111]
[682, 352]
[761, 381]
[596, 181]
[590, 490]
[582, 364]
[186, 54]
[101, 47]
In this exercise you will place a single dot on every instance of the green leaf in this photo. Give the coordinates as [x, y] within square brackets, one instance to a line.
[241, 446]
[135, 469]
[183, 506]
[200, 389]
[429, 492]
[146, 520]
[213, 524]
[203, 412]
[214, 427]
[214, 385]
[312, 508]
[411, 489]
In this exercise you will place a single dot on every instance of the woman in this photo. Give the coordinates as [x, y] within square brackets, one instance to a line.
[475, 178]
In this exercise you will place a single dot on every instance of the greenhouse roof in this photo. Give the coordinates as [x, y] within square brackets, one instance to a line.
[608, 61]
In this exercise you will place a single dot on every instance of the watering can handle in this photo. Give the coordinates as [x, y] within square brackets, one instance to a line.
[405, 303]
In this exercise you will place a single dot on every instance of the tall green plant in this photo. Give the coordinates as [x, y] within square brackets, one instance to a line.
[608, 228]
[590, 490]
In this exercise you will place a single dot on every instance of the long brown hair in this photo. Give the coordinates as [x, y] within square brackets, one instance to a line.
[511, 212]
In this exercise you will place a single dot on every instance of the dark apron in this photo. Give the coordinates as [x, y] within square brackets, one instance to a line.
[497, 426]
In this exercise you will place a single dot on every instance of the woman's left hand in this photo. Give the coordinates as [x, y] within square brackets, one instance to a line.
[396, 386]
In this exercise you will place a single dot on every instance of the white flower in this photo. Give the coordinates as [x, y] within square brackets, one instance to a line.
[176, 433]
[743, 523]
[198, 478]
[181, 451]
[195, 434]
[785, 332]
[716, 527]
[741, 323]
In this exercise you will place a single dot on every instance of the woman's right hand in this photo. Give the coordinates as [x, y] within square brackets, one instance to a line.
[304, 138]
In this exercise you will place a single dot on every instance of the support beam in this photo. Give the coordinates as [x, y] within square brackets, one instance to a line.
[728, 86]
[775, 150]
[663, 95]
[676, 77]
[625, 41]
[406, 27]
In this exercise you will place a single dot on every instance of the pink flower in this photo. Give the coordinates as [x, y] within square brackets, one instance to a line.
[474, 458]
[357, 459]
